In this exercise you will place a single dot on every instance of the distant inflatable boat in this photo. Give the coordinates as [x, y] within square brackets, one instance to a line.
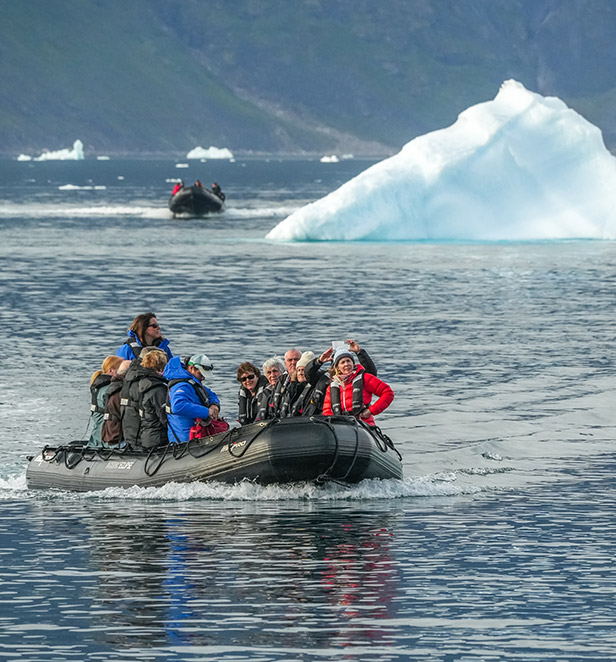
[195, 201]
[317, 449]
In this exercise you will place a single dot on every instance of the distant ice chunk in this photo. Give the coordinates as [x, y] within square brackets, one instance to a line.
[519, 167]
[210, 153]
[329, 158]
[74, 154]
[24, 157]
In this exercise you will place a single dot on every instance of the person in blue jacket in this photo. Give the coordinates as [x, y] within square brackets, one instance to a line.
[188, 399]
[144, 332]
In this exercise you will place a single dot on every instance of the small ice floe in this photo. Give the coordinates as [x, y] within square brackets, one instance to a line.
[74, 154]
[210, 153]
[74, 187]
[331, 158]
[102, 158]
[182, 165]
[24, 157]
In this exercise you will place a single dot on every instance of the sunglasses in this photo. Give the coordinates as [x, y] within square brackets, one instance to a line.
[154, 326]
[245, 378]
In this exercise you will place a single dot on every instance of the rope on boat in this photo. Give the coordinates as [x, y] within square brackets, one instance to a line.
[325, 477]
[268, 424]
[380, 436]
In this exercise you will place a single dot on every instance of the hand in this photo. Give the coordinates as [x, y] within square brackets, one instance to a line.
[214, 411]
[365, 413]
[326, 356]
[354, 347]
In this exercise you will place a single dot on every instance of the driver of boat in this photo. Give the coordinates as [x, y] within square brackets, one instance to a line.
[188, 399]
[178, 187]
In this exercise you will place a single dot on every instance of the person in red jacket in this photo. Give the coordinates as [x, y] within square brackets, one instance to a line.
[352, 388]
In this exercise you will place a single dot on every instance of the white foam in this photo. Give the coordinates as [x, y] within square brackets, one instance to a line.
[519, 167]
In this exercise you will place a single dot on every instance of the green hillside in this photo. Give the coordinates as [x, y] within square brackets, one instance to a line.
[154, 76]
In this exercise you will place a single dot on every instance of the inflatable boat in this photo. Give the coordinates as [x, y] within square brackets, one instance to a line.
[195, 201]
[317, 449]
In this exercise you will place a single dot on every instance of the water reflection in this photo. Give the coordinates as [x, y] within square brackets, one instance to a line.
[242, 579]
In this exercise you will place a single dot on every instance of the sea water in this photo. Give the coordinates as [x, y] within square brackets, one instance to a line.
[497, 545]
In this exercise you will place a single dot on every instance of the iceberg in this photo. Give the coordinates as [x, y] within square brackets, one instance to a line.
[74, 154]
[519, 167]
[210, 153]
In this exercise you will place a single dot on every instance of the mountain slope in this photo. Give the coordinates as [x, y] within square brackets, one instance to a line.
[154, 76]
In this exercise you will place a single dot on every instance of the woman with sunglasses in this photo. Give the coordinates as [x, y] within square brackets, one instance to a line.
[144, 332]
[252, 383]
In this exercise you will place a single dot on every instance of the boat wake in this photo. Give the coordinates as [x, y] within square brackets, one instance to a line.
[435, 485]
[48, 211]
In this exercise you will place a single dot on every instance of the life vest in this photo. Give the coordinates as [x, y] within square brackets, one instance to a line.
[199, 390]
[310, 400]
[358, 394]
[95, 387]
[135, 345]
[248, 405]
[129, 403]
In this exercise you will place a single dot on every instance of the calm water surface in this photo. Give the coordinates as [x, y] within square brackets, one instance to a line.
[499, 543]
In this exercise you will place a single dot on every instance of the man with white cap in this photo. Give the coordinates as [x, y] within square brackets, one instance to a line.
[188, 399]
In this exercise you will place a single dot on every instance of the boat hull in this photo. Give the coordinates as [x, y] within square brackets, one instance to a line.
[195, 201]
[280, 451]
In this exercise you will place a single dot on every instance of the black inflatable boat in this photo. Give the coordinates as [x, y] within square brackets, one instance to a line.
[195, 201]
[320, 449]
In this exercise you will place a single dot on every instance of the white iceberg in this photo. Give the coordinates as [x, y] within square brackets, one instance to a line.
[74, 154]
[329, 158]
[24, 157]
[210, 153]
[520, 167]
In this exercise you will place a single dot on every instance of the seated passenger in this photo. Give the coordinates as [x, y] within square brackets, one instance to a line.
[267, 406]
[112, 427]
[351, 389]
[178, 187]
[152, 400]
[216, 190]
[286, 388]
[198, 183]
[99, 385]
[187, 398]
[252, 384]
[130, 397]
[144, 331]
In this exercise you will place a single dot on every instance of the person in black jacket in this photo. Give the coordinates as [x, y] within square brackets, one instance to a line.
[152, 400]
[252, 383]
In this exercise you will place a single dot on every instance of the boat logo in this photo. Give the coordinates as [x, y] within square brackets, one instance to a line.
[124, 464]
[234, 445]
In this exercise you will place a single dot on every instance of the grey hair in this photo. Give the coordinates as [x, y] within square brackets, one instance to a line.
[274, 361]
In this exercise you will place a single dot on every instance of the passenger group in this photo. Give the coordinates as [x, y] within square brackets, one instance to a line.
[145, 397]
